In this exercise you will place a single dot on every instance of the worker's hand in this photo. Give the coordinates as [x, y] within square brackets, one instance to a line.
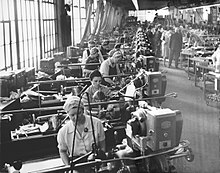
[91, 157]
[110, 107]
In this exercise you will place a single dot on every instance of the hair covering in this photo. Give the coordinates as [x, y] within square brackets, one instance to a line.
[116, 48]
[112, 52]
[72, 102]
[117, 54]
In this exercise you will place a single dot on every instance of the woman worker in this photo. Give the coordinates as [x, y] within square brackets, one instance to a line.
[92, 58]
[84, 132]
[111, 67]
[96, 91]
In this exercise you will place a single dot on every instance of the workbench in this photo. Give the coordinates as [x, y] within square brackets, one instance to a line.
[197, 67]
[184, 56]
[212, 88]
[201, 70]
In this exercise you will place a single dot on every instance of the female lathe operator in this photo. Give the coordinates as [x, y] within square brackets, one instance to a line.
[84, 132]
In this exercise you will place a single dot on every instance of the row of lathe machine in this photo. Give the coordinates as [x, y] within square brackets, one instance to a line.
[152, 133]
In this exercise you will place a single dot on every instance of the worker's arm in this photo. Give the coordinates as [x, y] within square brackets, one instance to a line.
[101, 138]
[104, 70]
[64, 156]
[102, 145]
[101, 59]
[214, 59]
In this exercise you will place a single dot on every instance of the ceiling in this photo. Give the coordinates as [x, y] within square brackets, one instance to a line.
[158, 4]
[152, 4]
[143, 4]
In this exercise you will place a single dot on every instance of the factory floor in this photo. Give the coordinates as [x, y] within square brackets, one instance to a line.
[200, 123]
[200, 126]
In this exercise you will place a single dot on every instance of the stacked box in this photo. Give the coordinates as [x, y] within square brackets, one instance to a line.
[59, 56]
[7, 83]
[73, 51]
[30, 74]
[47, 65]
[20, 78]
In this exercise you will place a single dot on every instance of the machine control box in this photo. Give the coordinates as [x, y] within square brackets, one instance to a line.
[157, 129]
[150, 63]
[161, 127]
[154, 81]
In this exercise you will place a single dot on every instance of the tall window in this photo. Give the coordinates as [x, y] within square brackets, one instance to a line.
[7, 35]
[78, 16]
[28, 32]
[76, 20]
[83, 16]
[49, 28]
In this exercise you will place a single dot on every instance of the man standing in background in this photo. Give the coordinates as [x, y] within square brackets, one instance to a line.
[175, 45]
[157, 41]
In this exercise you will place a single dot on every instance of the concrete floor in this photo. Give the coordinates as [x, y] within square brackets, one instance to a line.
[200, 123]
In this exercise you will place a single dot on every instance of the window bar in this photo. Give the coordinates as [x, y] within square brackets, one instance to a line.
[46, 30]
[40, 33]
[49, 37]
[73, 38]
[10, 47]
[31, 34]
[22, 31]
[56, 43]
[4, 45]
[16, 34]
[43, 37]
[50, 30]
[36, 59]
[80, 22]
[28, 51]
[3, 28]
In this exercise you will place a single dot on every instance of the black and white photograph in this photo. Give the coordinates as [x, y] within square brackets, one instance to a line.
[109, 86]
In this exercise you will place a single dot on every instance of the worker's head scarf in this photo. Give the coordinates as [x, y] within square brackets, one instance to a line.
[72, 102]
[117, 54]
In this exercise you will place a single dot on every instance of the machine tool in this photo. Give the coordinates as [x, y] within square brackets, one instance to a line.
[153, 141]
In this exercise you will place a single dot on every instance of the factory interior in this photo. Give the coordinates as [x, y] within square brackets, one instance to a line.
[110, 86]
